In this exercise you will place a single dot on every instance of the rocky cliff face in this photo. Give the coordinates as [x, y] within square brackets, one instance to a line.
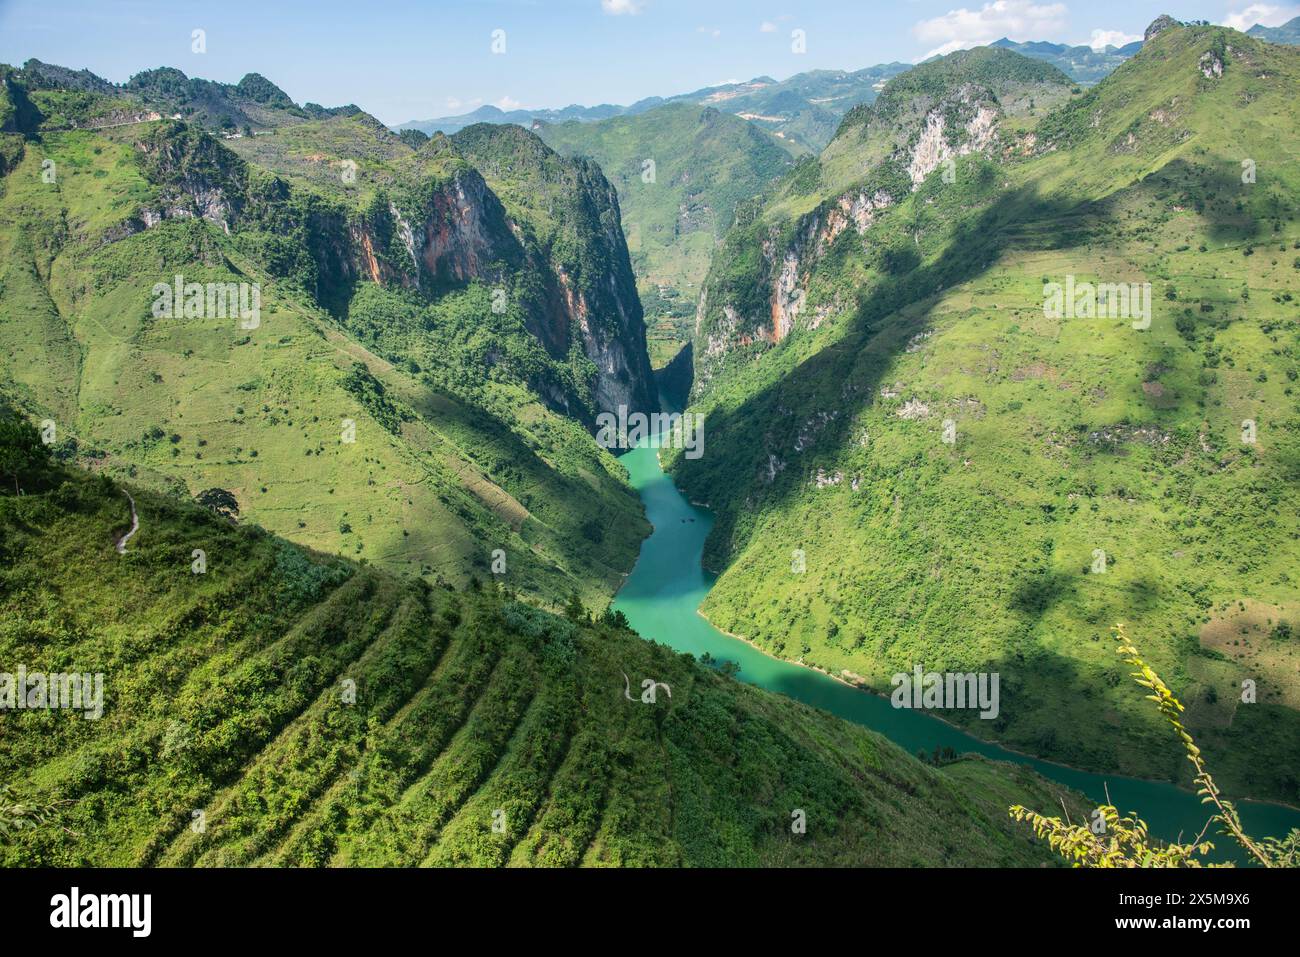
[562, 255]
[199, 177]
[768, 307]
[758, 290]
[568, 216]
[605, 300]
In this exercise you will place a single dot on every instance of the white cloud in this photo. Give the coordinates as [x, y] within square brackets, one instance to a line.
[711, 31]
[619, 8]
[507, 103]
[1114, 38]
[952, 46]
[1017, 19]
[1268, 14]
[767, 26]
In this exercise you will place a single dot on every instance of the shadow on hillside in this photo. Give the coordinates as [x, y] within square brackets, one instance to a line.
[1214, 192]
[844, 377]
[821, 396]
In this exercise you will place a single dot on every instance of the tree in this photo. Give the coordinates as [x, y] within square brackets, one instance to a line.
[574, 610]
[613, 618]
[1124, 841]
[21, 449]
[219, 501]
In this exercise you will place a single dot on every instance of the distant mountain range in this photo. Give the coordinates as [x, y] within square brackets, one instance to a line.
[1082, 64]
[804, 110]
[1288, 33]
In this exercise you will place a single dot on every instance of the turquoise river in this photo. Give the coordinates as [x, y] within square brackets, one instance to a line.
[661, 597]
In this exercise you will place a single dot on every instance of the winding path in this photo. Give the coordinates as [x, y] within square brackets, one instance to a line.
[135, 525]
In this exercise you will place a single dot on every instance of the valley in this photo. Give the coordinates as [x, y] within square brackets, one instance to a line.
[290, 708]
[893, 400]
[340, 453]
[662, 598]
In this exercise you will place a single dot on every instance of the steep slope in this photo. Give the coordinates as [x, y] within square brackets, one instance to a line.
[430, 225]
[410, 386]
[284, 708]
[570, 210]
[680, 171]
[979, 482]
[970, 103]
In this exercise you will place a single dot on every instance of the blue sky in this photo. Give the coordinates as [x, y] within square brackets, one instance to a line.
[403, 60]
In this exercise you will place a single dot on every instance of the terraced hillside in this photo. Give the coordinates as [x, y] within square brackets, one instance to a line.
[287, 708]
[418, 384]
[979, 483]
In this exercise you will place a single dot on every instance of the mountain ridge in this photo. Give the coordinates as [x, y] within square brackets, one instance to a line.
[469, 345]
[863, 309]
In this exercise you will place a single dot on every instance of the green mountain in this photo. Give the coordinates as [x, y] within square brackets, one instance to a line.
[77, 98]
[1288, 33]
[975, 480]
[283, 707]
[680, 171]
[1082, 64]
[417, 381]
[801, 112]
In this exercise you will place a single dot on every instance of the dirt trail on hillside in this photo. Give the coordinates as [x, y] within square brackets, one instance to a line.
[120, 545]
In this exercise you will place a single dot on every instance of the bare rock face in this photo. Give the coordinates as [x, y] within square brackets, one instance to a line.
[1159, 25]
[565, 216]
[978, 134]
[442, 233]
[463, 232]
[198, 177]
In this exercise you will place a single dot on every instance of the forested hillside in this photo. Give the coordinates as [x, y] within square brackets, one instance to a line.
[977, 482]
[417, 377]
